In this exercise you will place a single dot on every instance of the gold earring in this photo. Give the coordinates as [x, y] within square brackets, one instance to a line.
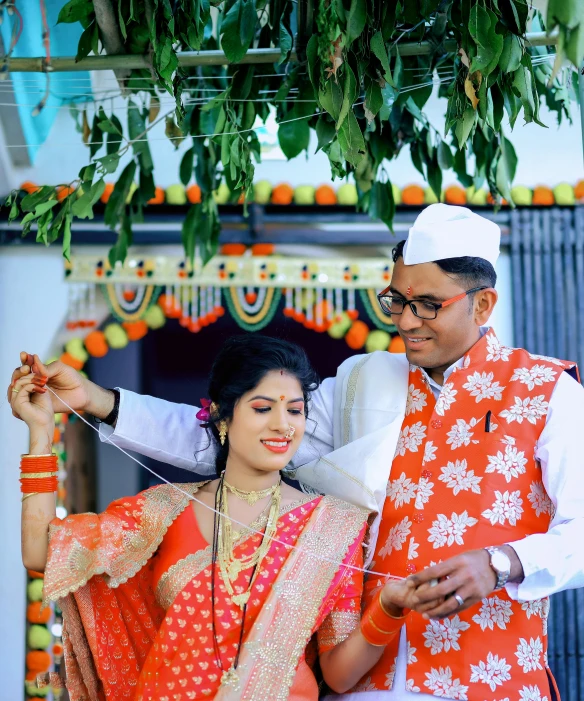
[222, 431]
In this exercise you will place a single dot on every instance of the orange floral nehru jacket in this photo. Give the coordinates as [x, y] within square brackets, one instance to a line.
[460, 481]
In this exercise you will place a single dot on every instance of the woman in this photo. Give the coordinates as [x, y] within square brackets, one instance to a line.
[163, 598]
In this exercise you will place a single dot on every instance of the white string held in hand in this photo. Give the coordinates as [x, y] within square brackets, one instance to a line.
[222, 515]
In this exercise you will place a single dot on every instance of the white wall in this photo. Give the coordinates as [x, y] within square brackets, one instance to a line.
[33, 304]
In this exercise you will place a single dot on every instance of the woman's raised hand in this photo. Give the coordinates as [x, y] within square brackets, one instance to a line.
[31, 402]
[69, 384]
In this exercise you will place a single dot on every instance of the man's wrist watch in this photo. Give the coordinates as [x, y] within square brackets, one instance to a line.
[501, 565]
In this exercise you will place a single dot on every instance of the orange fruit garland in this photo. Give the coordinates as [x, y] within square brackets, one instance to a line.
[397, 345]
[35, 615]
[194, 194]
[357, 335]
[38, 661]
[135, 329]
[543, 196]
[29, 187]
[63, 192]
[324, 195]
[71, 361]
[413, 195]
[282, 194]
[579, 190]
[262, 249]
[106, 194]
[455, 195]
[96, 344]
[233, 249]
[158, 196]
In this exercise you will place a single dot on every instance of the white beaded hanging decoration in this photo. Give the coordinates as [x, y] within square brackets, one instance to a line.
[289, 304]
[194, 325]
[318, 318]
[92, 316]
[339, 306]
[298, 304]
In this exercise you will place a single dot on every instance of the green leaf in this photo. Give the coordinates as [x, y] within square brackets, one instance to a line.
[445, 158]
[294, 137]
[482, 28]
[325, 132]
[351, 140]
[349, 95]
[86, 41]
[189, 231]
[285, 43]
[511, 54]
[373, 101]
[83, 206]
[356, 20]
[434, 174]
[377, 45]
[186, 167]
[496, 96]
[44, 207]
[14, 211]
[503, 179]
[381, 203]
[464, 126]
[67, 237]
[109, 163]
[524, 90]
[119, 250]
[96, 138]
[114, 138]
[30, 201]
[312, 62]
[117, 200]
[331, 99]
[237, 29]
[75, 11]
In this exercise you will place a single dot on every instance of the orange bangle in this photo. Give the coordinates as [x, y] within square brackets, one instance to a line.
[373, 635]
[376, 621]
[39, 463]
[40, 485]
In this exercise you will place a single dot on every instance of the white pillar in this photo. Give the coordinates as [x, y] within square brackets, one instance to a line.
[33, 303]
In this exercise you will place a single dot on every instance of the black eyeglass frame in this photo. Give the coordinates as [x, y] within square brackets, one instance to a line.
[412, 302]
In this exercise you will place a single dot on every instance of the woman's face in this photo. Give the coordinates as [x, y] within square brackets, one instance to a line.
[259, 432]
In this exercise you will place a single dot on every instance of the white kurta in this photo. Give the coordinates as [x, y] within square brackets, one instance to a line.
[552, 561]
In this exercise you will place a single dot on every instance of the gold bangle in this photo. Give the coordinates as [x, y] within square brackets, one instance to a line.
[42, 455]
[27, 496]
[382, 607]
[35, 475]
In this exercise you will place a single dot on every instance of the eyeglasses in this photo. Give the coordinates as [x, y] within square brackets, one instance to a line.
[393, 305]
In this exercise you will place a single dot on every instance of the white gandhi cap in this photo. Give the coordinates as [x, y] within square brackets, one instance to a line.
[444, 231]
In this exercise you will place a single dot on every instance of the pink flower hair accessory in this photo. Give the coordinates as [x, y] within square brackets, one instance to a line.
[204, 413]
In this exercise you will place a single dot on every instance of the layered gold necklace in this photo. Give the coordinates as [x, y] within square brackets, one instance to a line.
[230, 566]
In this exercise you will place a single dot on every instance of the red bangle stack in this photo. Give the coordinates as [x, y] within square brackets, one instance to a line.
[38, 474]
[377, 625]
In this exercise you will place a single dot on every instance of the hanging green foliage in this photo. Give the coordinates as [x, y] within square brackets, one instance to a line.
[352, 81]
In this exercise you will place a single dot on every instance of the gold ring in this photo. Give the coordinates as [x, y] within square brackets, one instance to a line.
[15, 391]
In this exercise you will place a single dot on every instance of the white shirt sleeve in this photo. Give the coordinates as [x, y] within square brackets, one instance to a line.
[554, 561]
[171, 433]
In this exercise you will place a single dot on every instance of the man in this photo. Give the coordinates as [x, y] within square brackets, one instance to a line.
[484, 505]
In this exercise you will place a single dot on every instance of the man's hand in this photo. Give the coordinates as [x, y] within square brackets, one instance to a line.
[468, 575]
[74, 389]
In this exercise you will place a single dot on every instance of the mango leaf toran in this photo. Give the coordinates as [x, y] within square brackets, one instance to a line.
[348, 82]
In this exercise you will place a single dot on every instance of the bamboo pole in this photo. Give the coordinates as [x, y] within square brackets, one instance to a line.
[187, 59]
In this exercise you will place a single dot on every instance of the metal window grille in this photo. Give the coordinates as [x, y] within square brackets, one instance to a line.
[547, 250]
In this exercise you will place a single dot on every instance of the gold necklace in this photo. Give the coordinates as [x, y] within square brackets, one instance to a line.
[251, 497]
[229, 566]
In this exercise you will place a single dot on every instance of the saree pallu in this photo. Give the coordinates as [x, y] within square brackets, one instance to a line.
[125, 640]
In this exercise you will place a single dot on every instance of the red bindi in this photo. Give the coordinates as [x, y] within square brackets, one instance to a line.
[282, 397]
[409, 290]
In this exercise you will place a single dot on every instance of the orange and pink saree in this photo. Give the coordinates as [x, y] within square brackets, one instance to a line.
[134, 586]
